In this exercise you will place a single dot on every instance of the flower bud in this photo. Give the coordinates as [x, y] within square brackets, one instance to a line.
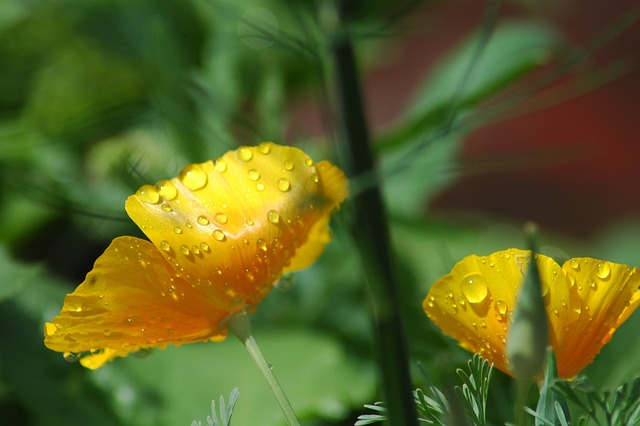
[529, 333]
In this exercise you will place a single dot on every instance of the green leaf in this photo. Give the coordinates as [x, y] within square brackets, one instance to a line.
[514, 50]
[551, 406]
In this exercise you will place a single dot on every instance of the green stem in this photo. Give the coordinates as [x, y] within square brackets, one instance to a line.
[522, 387]
[240, 325]
[370, 228]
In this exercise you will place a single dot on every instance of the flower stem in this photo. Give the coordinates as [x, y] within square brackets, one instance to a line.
[370, 229]
[240, 325]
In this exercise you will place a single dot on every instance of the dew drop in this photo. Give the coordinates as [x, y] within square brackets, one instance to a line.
[195, 250]
[185, 250]
[260, 187]
[245, 154]
[288, 165]
[71, 356]
[193, 177]
[177, 230]
[202, 220]
[148, 194]
[218, 235]
[165, 246]
[249, 222]
[501, 307]
[220, 165]
[284, 185]
[592, 284]
[166, 207]
[308, 162]
[603, 270]
[221, 218]
[253, 175]
[189, 224]
[205, 247]
[264, 147]
[314, 177]
[262, 244]
[474, 288]
[575, 265]
[273, 216]
[167, 189]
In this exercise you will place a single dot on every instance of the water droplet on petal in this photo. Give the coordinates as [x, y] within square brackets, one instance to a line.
[166, 207]
[501, 307]
[288, 165]
[474, 288]
[177, 230]
[308, 162]
[194, 177]
[245, 154]
[273, 216]
[221, 218]
[262, 244]
[167, 189]
[165, 246]
[264, 147]
[253, 175]
[284, 185]
[205, 247]
[71, 356]
[185, 250]
[314, 177]
[249, 222]
[260, 187]
[202, 220]
[218, 235]
[195, 249]
[575, 264]
[220, 165]
[148, 194]
[603, 270]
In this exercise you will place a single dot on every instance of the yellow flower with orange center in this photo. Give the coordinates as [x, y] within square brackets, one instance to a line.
[221, 233]
[586, 301]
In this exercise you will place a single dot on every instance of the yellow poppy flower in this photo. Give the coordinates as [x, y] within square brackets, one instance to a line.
[586, 301]
[221, 233]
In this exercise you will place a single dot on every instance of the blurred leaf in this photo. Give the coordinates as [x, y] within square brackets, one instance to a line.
[514, 50]
[316, 374]
[14, 275]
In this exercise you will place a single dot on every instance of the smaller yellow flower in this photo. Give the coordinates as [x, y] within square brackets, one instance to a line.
[586, 300]
[221, 233]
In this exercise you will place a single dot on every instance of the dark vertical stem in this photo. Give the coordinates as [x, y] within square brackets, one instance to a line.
[371, 232]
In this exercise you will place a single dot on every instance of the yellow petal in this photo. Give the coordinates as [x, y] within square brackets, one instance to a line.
[609, 294]
[232, 226]
[131, 300]
[474, 303]
[586, 300]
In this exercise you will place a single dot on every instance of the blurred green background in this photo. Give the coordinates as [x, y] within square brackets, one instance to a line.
[482, 121]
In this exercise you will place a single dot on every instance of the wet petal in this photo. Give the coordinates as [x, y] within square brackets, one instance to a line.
[131, 300]
[609, 294]
[232, 226]
[585, 300]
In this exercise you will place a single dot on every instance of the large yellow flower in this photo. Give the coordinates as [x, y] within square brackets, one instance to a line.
[221, 234]
[586, 301]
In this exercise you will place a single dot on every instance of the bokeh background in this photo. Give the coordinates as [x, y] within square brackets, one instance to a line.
[484, 114]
